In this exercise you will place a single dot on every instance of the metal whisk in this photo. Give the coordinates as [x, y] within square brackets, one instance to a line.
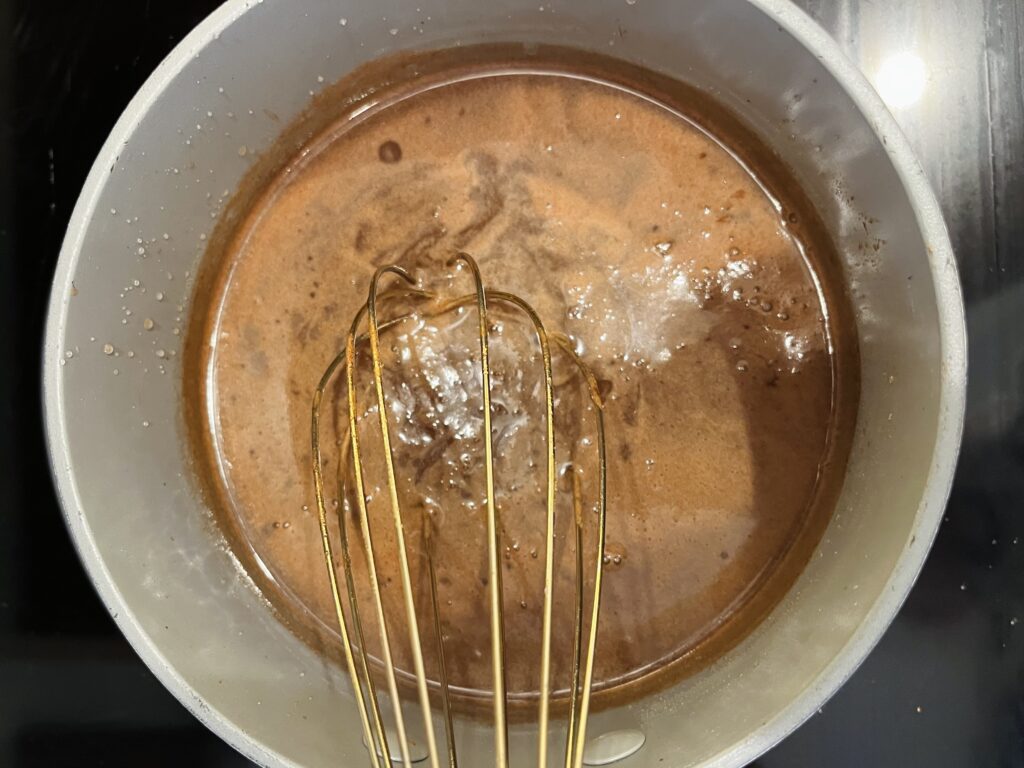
[350, 626]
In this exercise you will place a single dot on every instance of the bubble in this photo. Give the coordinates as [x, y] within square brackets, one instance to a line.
[389, 152]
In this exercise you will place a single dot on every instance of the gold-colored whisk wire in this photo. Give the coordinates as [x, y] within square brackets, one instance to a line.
[352, 638]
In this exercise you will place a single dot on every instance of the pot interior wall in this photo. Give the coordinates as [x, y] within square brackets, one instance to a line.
[148, 539]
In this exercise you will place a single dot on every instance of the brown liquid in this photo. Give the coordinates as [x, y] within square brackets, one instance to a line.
[637, 217]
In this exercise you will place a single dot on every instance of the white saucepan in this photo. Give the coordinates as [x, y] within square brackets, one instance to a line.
[137, 233]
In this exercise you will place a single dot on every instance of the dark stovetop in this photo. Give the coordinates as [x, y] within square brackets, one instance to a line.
[945, 687]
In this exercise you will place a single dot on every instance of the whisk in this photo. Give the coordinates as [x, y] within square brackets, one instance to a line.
[351, 625]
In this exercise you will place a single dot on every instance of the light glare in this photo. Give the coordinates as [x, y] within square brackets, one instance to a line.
[901, 80]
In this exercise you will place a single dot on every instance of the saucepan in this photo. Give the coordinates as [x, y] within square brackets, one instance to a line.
[121, 297]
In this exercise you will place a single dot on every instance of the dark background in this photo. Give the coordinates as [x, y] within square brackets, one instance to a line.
[944, 688]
